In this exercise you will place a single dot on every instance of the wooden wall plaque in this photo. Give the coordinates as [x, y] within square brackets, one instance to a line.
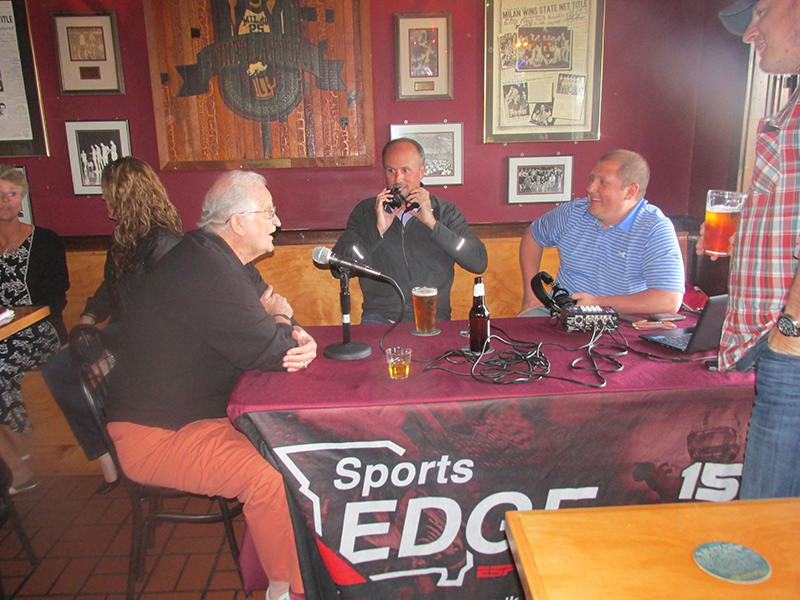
[261, 83]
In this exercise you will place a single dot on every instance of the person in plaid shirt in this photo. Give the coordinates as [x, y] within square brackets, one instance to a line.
[761, 327]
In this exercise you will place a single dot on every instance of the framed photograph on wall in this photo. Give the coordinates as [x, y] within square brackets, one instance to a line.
[87, 47]
[423, 43]
[22, 129]
[27, 209]
[444, 150]
[543, 66]
[92, 145]
[539, 179]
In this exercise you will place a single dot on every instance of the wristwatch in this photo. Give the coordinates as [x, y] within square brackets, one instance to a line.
[788, 326]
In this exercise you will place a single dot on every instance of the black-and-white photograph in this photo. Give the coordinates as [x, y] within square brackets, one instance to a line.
[508, 50]
[424, 47]
[539, 179]
[443, 146]
[573, 85]
[542, 114]
[92, 145]
[515, 96]
[96, 149]
[543, 48]
[439, 155]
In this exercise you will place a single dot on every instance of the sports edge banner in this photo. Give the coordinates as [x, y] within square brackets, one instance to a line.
[408, 502]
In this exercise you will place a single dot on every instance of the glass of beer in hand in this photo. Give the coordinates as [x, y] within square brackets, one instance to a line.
[723, 210]
[425, 310]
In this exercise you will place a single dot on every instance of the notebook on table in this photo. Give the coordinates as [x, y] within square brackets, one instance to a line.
[702, 337]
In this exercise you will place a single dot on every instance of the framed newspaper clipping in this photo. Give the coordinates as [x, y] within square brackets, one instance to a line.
[22, 127]
[544, 63]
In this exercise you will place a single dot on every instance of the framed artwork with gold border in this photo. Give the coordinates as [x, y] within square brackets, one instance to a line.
[543, 70]
[239, 84]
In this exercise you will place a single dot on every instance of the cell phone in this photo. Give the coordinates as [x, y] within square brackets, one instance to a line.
[629, 318]
[666, 317]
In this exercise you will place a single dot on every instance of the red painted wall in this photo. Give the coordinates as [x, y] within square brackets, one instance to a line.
[673, 87]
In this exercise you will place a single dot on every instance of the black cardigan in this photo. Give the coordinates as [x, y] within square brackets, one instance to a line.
[48, 278]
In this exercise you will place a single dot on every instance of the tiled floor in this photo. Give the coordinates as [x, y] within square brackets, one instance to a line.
[82, 542]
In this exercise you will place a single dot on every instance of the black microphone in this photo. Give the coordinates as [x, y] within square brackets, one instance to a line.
[323, 256]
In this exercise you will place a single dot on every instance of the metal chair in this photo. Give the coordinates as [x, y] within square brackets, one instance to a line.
[95, 362]
[9, 513]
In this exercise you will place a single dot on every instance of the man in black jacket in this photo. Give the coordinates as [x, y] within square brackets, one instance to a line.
[416, 243]
[201, 317]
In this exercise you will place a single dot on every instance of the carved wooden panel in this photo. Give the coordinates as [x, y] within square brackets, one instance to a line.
[261, 83]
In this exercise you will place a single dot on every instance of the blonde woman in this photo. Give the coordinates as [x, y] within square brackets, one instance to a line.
[33, 271]
[146, 227]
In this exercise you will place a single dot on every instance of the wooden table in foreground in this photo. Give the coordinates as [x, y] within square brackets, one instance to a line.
[636, 552]
[24, 316]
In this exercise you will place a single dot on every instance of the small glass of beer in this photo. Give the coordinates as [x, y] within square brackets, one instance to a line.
[723, 210]
[425, 310]
[399, 361]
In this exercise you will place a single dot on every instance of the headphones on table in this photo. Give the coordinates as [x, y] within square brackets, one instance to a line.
[558, 297]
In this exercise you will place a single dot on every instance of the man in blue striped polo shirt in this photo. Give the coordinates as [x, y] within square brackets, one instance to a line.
[615, 248]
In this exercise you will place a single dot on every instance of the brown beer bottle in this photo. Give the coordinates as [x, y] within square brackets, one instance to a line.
[478, 318]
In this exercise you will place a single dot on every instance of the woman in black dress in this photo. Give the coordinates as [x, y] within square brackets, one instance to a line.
[33, 272]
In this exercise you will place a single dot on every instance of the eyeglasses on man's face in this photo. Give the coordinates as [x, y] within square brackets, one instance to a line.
[270, 212]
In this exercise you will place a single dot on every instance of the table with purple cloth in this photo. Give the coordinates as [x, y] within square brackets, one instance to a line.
[399, 488]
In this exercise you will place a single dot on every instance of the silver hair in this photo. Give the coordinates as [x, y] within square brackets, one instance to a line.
[230, 195]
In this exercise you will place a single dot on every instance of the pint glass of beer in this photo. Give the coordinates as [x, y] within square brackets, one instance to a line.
[723, 210]
[425, 310]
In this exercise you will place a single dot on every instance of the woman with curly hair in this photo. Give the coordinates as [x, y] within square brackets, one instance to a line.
[147, 227]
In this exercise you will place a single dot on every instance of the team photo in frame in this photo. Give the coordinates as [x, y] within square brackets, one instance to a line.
[92, 145]
[533, 179]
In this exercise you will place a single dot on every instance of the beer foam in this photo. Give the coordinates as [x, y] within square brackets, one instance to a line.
[724, 209]
[424, 291]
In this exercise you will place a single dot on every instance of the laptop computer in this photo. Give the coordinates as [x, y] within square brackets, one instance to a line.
[702, 337]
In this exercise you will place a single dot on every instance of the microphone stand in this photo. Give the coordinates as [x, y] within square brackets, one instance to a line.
[346, 349]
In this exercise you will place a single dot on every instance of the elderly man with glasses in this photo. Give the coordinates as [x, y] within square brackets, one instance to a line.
[203, 316]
